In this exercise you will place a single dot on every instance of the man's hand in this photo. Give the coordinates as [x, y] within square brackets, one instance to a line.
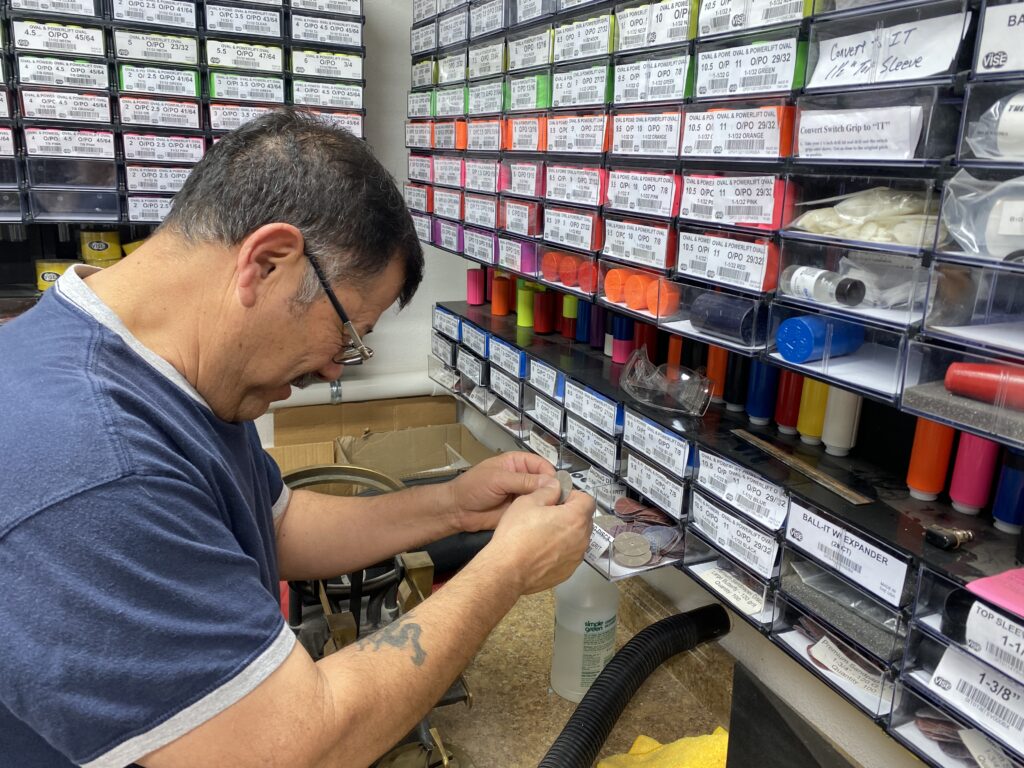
[541, 540]
[481, 495]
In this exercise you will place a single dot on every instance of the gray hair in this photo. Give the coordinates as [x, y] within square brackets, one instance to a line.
[288, 166]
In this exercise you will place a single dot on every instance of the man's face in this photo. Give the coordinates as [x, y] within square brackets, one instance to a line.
[298, 343]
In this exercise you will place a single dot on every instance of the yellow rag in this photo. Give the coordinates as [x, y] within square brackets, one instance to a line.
[690, 752]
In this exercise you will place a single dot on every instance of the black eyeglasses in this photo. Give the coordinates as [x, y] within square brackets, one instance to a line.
[354, 352]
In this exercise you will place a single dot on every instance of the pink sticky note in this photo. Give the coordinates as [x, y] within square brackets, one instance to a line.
[1005, 590]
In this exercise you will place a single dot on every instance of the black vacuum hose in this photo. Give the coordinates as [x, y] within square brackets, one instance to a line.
[585, 733]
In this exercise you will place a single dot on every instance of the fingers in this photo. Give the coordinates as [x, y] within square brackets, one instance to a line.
[531, 463]
[520, 484]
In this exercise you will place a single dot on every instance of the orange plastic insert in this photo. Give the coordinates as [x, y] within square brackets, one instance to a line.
[636, 290]
[615, 285]
[586, 276]
[550, 265]
[662, 298]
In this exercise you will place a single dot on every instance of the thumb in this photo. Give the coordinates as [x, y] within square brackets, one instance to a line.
[546, 491]
[522, 483]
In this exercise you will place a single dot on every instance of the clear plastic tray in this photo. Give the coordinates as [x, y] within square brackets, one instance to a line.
[481, 211]
[419, 197]
[508, 388]
[521, 217]
[420, 168]
[72, 205]
[742, 490]
[996, 53]
[447, 204]
[546, 412]
[487, 17]
[484, 134]
[643, 191]
[547, 380]
[584, 36]
[451, 101]
[755, 549]
[443, 349]
[83, 8]
[529, 91]
[644, 24]
[419, 134]
[738, 15]
[522, 178]
[586, 133]
[588, 84]
[530, 48]
[881, 287]
[991, 133]
[544, 444]
[508, 358]
[487, 59]
[653, 485]
[526, 133]
[423, 38]
[424, 73]
[71, 173]
[732, 320]
[444, 375]
[452, 66]
[645, 294]
[448, 235]
[751, 597]
[969, 390]
[482, 174]
[568, 271]
[760, 64]
[453, 28]
[476, 339]
[486, 97]
[845, 351]
[527, 11]
[517, 255]
[474, 370]
[620, 547]
[449, 134]
[10, 173]
[12, 206]
[640, 242]
[424, 227]
[576, 183]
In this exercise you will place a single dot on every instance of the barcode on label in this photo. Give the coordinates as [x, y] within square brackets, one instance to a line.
[744, 145]
[702, 209]
[750, 505]
[593, 46]
[741, 549]
[838, 559]
[770, 14]
[163, 55]
[732, 273]
[718, 83]
[61, 44]
[697, 267]
[742, 210]
[645, 204]
[978, 698]
[667, 89]
[654, 142]
[717, 484]
[1003, 656]
[717, 22]
[703, 146]
[759, 81]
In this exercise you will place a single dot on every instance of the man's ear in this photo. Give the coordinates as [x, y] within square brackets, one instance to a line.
[268, 257]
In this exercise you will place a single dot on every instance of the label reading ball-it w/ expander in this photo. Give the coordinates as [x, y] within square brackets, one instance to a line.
[231, 55]
[143, 46]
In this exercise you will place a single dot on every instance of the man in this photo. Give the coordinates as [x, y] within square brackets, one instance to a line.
[143, 530]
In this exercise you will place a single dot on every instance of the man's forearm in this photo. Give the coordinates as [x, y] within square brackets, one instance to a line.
[322, 536]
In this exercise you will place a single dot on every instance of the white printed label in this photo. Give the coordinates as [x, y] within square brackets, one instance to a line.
[754, 549]
[1011, 217]
[756, 68]
[908, 51]
[529, 51]
[175, 114]
[838, 662]
[444, 135]
[227, 117]
[653, 25]
[487, 17]
[544, 378]
[890, 133]
[448, 170]
[346, 7]
[66, 143]
[573, 185]
[58, 38]
[262, 58]
[474, 338]
[602, 413]
[423, 9]
[332, 31]
[148, 208]
[590, 37]
[642, 244]
[510, 255]
[486, 98]
[505, 387]
[67, 7]
[479, 246]
[600, 540]
[506, 356]
[583, 134]
[419, 105]
[483, 135]
[182, 149]
[243, 21]
[761, 501]
[996, 639]
[717, 475]
[453, 29]
[525, 133]
[416, 198]
[731, 589]
[656, 486]
[548, 415]
[417, 135]
[872, 568]
[592, 444]
[6, 142]
[543, 448]
[994, 701]
[448, 203]
[58, 105]
[653, 194]
[422, 224]
[446, 323]
[481, 211]
[524, 178]
[517, 218]
[450, 101]
[580, 87]
[481, 176]
[487, 60]
[567, 228]
[646, 134]
[168, 13]
[523, 92]
[658, 444]
[651, 80]
[321, 94]
[985, 753]
[164, 48]
[999, 49]
[62, 72]
[731, 262]
[451, 68]
[422, 73]
[471, 367]
[729, 199]
[420, 168]
[423, 38]
[732, 133]
[155, 178]
[442, 349]
[165, 82]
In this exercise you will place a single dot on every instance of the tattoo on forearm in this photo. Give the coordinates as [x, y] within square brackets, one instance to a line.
[398, 635]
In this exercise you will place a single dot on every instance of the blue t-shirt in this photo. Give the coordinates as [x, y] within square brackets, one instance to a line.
[137, 562]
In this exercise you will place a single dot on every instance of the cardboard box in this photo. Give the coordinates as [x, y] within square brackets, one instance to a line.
[290, 457]
[320, 423]
[414, 454]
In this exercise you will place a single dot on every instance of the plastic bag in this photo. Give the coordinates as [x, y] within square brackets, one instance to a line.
[675, 389]
[879, 214]
[888, 284]
[999, 132]
[986, 218]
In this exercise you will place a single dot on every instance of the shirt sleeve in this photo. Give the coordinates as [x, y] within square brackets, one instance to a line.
[134, 618]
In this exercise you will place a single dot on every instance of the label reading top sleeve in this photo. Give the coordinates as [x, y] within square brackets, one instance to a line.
[756, 68]
[874, 569]
[996, 639]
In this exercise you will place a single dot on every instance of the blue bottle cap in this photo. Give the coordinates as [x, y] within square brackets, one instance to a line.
[800, 339]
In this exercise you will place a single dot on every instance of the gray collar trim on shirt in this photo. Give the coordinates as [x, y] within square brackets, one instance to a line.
[72, 287]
